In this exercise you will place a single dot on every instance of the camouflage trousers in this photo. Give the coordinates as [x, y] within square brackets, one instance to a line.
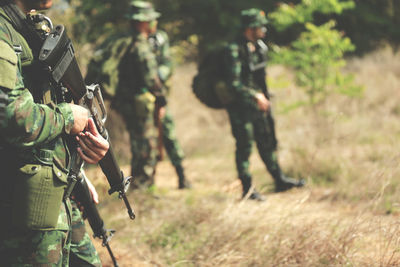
[82, 251]
[35, 247]
[143, 141]
[53, 248]
[249, 127]
[171, 145]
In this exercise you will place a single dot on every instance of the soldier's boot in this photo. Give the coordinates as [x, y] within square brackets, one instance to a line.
[183, 183]
[253, 195]
[284, 183]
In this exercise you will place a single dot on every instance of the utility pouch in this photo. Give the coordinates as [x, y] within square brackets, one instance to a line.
[144, 104]
[37, 197]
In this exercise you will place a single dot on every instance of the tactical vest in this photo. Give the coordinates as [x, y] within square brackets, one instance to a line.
[33, 180]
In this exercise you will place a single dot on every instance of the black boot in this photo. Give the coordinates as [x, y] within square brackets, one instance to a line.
[182, 182]
[284, 183]
[254, 195]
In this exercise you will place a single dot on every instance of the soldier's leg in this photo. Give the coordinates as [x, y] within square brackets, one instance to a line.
[242, 131]
[82, 253]
[174, 150]
[143, 145]
[36, 248]
[266, 145]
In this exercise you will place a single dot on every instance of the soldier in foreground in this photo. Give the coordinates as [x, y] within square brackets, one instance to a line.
[250, 110]
[139, 92]
[160, 44]
[35, 226]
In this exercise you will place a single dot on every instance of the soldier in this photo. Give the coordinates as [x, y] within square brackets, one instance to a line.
[160, 43]
[249, 113]
[34, 156]
[139, 91]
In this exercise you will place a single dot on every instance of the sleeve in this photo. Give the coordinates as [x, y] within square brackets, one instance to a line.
[27, 123]
[233, 68]
[148, 68]
[165, 64]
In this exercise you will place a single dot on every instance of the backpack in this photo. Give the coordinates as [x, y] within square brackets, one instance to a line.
[103, 68]
[209, 85]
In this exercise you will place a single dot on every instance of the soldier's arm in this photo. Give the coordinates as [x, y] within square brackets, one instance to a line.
[26, 122]
[233, 68]
[148, 67]
[165, 63]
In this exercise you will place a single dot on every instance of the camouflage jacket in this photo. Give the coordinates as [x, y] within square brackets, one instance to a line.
[138, 70]
[244, 70]
[160, 44]
[34, 120]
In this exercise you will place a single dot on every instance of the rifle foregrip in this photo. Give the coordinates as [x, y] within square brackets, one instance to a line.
[112, 171]
[82, 195]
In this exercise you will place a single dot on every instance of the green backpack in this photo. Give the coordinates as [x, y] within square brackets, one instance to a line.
[209, 84]
[103, 68]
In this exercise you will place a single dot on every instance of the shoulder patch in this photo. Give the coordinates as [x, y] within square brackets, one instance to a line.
[8, 66]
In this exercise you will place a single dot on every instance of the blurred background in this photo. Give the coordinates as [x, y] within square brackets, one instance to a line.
[334, 73]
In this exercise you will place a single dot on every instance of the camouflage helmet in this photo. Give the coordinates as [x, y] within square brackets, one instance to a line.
[142, 11]
[253, 17]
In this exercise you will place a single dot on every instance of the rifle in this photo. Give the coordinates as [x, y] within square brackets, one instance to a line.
[56, 53]
[260, 77]
[84, 198]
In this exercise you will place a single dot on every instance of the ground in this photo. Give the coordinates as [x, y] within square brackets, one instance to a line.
[347, 215]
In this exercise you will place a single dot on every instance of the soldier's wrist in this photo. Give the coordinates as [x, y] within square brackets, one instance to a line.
[68, 116]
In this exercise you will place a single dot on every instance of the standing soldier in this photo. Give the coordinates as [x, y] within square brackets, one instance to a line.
[250, 111]
[139, 91]
[160, 44]
[34, 156]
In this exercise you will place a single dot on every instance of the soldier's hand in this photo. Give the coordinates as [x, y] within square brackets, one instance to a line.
[92, 146]
[81, 116]
[161, 112]
[262, 102]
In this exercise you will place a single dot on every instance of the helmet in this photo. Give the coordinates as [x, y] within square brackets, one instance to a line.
[142, 11]
[253, 17]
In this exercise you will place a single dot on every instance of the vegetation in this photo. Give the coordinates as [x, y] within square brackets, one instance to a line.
[317, 56]
[346, 216]
[368, 24]
[348, 213]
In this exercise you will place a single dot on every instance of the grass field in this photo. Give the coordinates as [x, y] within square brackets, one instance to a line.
[348, 215]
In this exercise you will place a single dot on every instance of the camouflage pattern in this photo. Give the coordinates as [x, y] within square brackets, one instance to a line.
[135, 99]
[82, 253]
[3, 104]
[36, 248]
[33, 141]
[170, 141]
[248, 123]
[142, 11]
[253, 17]
[160, 43]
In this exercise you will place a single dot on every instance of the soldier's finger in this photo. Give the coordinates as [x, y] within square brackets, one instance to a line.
[84, 157]
[98, 141]
[89, 145]
[89, 150]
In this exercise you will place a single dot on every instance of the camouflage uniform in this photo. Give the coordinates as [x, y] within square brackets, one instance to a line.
[35, 223]
[160, 43]
[138, 90]
[245, 64]
[82, 253]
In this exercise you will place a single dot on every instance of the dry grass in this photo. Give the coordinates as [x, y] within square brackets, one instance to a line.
[347, 216]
